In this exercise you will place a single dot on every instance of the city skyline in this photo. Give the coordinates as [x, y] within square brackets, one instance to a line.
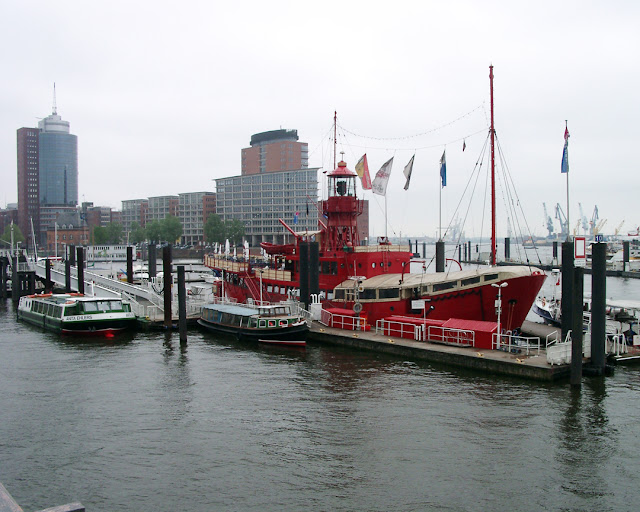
[170, 111]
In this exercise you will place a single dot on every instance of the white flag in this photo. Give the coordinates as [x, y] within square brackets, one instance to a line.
[379, 185]
[407, 172]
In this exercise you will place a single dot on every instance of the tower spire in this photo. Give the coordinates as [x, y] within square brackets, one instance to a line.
[55, 108]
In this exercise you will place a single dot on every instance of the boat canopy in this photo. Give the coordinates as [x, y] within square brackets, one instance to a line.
[490, 274]
[232, 309]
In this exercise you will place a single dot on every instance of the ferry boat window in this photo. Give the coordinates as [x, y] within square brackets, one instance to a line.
[334, 268]
[471, 280]
[425, 288]
[444, 286]
[490, 277]
[89, 307]
[326, 267]
[339, 294]
[104, 305]
[373, 265]
[116, 305]
[71, 310]
[389, 293]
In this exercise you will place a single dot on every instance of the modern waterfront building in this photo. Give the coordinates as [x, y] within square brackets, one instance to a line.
[259, 200]
[58, 162]
[162, 206]
[134, 210]
[47, 172]
[28, 182]
[191, 215]
[274, 151]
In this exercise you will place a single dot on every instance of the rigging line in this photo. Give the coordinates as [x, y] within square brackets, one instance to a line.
[417, 134]
[519, 203]
[476, 171]
[483, 130]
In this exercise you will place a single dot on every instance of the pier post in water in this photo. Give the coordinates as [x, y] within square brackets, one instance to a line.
[182, 305]
[80, 268]
[303, 248]
[440, 256]
[576, 334]
[129, 264]
[314, 268]
[424, 249]
[166, 268]
[3, 277]
[625, 256]
[72, 254]
[48, 285]
[507, 249]
[598, 306]
[567, 288]
[67, 275]
[152, 260]
[555, 253]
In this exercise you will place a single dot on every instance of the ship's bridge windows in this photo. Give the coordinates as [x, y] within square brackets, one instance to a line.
[339, 293]
[444, 286]
[470, 281]
[389, 293]
[89, 307]
[368, 293]
[490, 277]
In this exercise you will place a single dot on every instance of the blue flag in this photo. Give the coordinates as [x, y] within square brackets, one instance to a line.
[565, 152]
[443, 169]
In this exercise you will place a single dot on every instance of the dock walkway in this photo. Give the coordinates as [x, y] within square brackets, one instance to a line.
[533, 366]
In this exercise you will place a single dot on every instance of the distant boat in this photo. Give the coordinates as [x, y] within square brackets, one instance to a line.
[73, 313]
[257, 323]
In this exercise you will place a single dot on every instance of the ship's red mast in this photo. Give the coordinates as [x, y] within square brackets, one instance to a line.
[493, 176]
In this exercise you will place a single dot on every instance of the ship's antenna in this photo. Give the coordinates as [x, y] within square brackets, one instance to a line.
[335, 141]
[493, 175]
[55, 108]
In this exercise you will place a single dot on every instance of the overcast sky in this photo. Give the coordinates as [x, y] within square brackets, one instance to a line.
[164, 95]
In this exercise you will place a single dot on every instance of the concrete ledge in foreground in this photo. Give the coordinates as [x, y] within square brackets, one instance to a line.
[487, 361]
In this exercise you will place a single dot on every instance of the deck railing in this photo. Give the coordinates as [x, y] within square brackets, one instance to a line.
[346, 322]
[399, 329]
[460, 337]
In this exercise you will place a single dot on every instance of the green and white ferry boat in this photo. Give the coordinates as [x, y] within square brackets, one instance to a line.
[75, 313]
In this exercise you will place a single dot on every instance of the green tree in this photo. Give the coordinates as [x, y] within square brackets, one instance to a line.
[114, 230]
[235, 231]
[100, 236]
[17, 235]
[154, 231]
[137, 234]
[171, 229]
[214, 229]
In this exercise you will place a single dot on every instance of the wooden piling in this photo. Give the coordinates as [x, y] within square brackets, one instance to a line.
[576, 334]
[166, 268]
[440, 256]
[129, 264]
[182, 305]
[80, 268]
[598, 306]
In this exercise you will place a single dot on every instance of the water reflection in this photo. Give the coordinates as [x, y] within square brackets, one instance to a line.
[587, 442]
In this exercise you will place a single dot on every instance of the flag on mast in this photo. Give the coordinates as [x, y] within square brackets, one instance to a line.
[379, 185]
[407, 172]
[443, 169]
[362, 168]
[565, 152]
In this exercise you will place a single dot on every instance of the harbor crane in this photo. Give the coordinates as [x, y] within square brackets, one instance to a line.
[562, 218]
[548, 220]
[616, 232]
[583, 220]
[599, 226]
[594, 220]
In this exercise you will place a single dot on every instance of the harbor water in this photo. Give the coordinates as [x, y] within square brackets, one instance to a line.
[139, 423]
